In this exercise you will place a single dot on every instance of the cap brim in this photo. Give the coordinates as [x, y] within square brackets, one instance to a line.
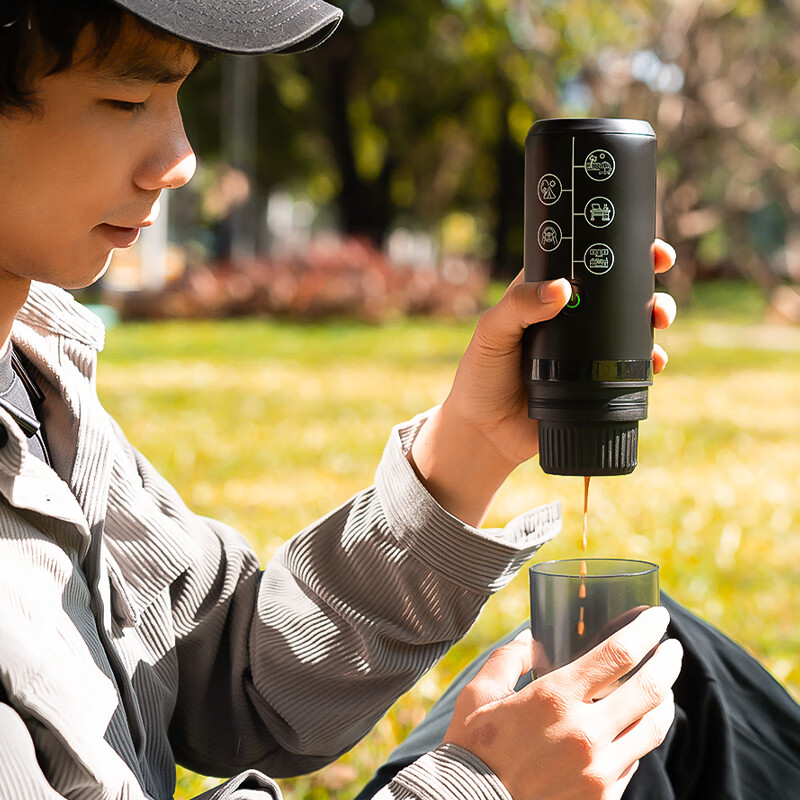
[244, 27]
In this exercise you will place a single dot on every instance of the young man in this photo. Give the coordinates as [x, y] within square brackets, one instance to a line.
[134, 633]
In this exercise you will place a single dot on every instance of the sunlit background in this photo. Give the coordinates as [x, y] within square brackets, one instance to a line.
[355, 209]
[405, 132]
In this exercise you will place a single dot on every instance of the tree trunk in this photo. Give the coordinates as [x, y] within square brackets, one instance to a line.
[509, 195]
[365, 207]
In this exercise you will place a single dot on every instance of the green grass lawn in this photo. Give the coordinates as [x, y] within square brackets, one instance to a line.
[269, 425]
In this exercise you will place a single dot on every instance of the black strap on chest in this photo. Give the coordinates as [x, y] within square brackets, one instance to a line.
[23, 373]
[30, 425]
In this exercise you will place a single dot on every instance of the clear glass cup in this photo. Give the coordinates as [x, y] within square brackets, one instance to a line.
[568, 621]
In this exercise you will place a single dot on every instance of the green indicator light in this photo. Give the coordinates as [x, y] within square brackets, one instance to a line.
[574, 301]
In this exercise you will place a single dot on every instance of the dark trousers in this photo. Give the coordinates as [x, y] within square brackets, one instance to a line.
[736, 734]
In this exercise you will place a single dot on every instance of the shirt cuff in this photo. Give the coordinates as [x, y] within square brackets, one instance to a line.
[448, 773]
[480, 559]
[249, 785]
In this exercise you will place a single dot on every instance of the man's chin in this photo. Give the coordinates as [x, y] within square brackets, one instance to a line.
[82, 281]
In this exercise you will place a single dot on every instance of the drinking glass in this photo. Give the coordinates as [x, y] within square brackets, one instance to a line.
[567, 622]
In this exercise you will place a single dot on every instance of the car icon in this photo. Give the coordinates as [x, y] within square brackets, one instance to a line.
[549, 236]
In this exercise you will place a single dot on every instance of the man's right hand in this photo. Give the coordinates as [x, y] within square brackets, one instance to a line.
[550, 741]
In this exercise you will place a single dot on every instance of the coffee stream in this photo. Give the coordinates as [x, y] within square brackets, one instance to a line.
[583, 570]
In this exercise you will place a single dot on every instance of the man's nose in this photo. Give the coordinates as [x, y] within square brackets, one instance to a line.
[181, 173]
[171, 163]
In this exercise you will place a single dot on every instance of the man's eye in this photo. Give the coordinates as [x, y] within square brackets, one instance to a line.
[123, 105]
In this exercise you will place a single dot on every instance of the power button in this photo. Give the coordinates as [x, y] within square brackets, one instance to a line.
[575, 298]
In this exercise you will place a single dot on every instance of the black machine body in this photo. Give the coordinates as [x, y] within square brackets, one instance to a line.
[590, 195]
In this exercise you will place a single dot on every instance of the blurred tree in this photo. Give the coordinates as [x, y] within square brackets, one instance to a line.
[718, 79]
[418, 109]
[415, 108]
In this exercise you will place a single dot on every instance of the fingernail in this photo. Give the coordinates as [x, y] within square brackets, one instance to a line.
[550, 291]
[670, 251]
[658, 616]
[673, 645]
[661, 353]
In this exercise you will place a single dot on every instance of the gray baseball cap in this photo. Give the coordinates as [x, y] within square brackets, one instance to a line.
[245, 27]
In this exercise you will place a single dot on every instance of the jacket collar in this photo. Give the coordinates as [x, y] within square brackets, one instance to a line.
[54, 310]
[28, 483]
[61, 339]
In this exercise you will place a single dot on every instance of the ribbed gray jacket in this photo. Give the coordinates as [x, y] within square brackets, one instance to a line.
[134, 633]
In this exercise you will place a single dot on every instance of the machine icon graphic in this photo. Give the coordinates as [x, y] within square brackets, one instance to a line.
[599, 212]
[599, 258]
[603, 213]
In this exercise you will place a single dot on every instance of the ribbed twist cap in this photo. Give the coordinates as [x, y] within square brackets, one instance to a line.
[602, 448]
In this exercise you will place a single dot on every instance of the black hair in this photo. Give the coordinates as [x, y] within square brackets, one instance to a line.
[36, 32]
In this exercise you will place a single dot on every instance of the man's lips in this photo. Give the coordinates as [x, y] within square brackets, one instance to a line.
[126, 235]
[119, 236]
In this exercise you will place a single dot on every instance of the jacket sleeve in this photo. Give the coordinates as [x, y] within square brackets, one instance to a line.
[20, 773]
[447, 773]
[284, 670]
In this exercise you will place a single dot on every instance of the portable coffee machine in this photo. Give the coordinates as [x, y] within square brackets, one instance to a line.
[590, 195]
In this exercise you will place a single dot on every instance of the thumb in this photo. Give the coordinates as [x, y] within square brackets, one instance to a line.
[619, 654]
[522, 305]
[499, 675]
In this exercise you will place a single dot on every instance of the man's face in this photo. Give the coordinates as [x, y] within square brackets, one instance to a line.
[90, 165]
